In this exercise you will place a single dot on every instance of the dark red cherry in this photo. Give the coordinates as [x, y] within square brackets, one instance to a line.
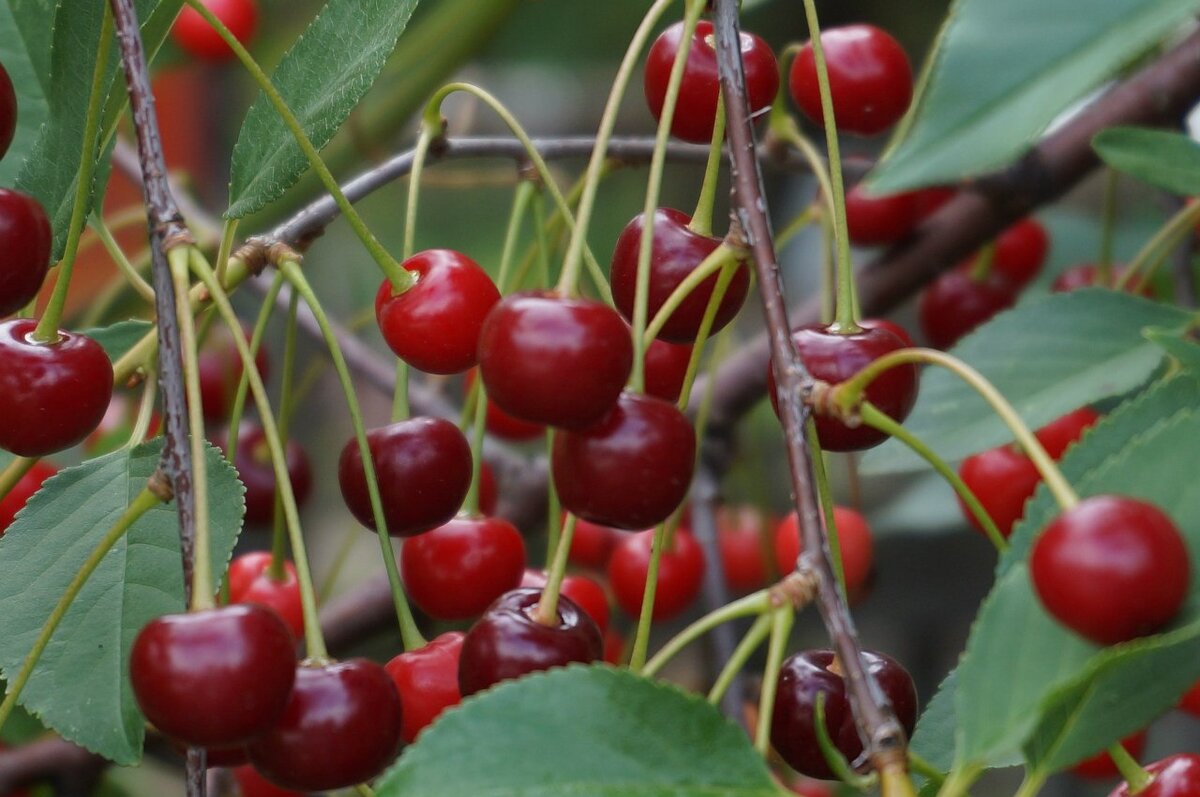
[508, 642]
[220, 369]
[8, 112]
[197, 38]
[854, 537]
[630, 470]
[427, 680]
[25, 238]
[1087, 275]
[423, 466]
[434, 325]
[552, 360]
[665, 369]
[674, 255]
[1058, 435]
[213, 678]
[489, 493]
[1021, 250]
[1111, 568]
[341, 727]
[250, 582]
[1003, 479]
[456, 570]
[954, 304]
[1101, 766]
[505, 426]
[256, 473]
[805, 675]
[891, 326]
[586, 592]
[1190, 702]
[879, 220]
[592, 544]
[696, 108]
[1174, 776]
[51, 394]
[742, 538]
[680, 573]
[22, 491]
[870, 79]
[834, 358]
[252, 784]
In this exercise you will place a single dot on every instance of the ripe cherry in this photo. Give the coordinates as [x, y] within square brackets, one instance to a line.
[805, 675]
[194, 35]
[25, 239]
[51, 394]
[870, 79]
[220, 369]
[1003, 479]
[1058, 435]
[674, 255]
[213, 678]
[666, 368]
[1111, 568]
[630, 470]
[456, 570]
[341, 726]
[1174, 776]
[1087, 275]
[22, 491]
[434, 325]
[548, 359]
[1020, 251]
[696, 107]
[423, 466]
[879, 220]
[955, 303]
[8, 112]
[834, 357]
[743, 545]
[253, 463]
[592, 544]
[854, 537]
[680, 573]
[508, 641]
[891, 326]
[427, 680]
[489, 493]
[505, 426]
[251, 582]
[586, 592]
[1101, 766]
[252, 784]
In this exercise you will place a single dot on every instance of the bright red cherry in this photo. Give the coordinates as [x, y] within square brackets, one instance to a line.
[250, 582]
[1174, 776]
[630, 470]
[854, 536]
[1111, 568]
[744, 546]
[22, 491]
[1003, 479]
[423, 466]
[51, 394]
[1021, 250]
[592, 544]
[505, 426]
[456, 570]
[1101, 766]
[870, 79]
[220, 369]
[805, 675]
[548, 359]
[194, 35]
[1058, 435]
[8, 112]
[680, 573]
[879, 220]
[25, 238]
[1087, 275]
[665, 369]
[252, 784]
[954, 304]
[341, 727]
[213, 678]
[614, 648]
[674, 255]
[253, 463]
[427, 680]
[834, 357]
[586, 592]
[508, 641]
[696, 108]
[434, 325]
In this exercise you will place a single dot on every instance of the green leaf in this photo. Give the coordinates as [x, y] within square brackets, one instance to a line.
[25, 30]
[1164, 159]
[981, 103]
[120, 337]
[582, 731]
[933, 738]
[321, 78]
[1178, 343]
[1047, 356]
[80, 686]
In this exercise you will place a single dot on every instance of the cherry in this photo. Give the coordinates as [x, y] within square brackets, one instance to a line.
[586, 592]
[423, 466]
[1003, 479]
[806, 674]
[890, 326]
[220, 369]
[928, 201]
[879, 220]
[505, 426]
[614, 648]
[854, 536]
[250, 582]
[434, 325]
[630, 470]
[870, 79]
[508, 641]
[696, 107]
[1111, 568]
[194, 35]
[252, 784]
[592, 544]
[1057, 436]
[213, 678]
[674, 255]
[8, 112]
[955, 303]
[1190, 702]
[743, 547]
[665, 368]
[1174, 776]
[51, 394]
[1087, 275]
[1101, 766]
[25, 238]
[1020, 251]
[427, 680]
[489, 494]
[456, 570]
[341, 727]
[834, 357]
[549, 359]
[22, 491]
[680, 573]
[253, 463]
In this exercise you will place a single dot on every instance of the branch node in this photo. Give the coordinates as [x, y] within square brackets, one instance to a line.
[160, 484]
[280, 252]
[796, 589]
[254, 254]
[527, 172]
[176, 235]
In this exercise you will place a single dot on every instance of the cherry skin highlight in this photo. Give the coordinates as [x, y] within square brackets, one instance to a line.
[680, 573]
[197, 38]
[25, 240]
[427, 680]
[249, 582]
[22, 491]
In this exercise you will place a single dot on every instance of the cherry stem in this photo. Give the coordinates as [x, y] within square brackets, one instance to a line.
[424, 139]
[756, 603]
[741, 654]
[693, 366]
[781, 626]
[471, 502]
[1168, 235]
[225, 247]
[141, 424]
[1108, 224]
[1031, 783]
[520, 208]
[14, 472]
[554, 517]
[547, 608]
[1134, 773]
[925, 769]
[287, 403]
[400, 404]
[641, 640]
[960, 778]
[256, 336]
[702, 216]
[782, 125]
[724, 255]
[131, 275]
[981, 266]
[825, 496]
[833, 757]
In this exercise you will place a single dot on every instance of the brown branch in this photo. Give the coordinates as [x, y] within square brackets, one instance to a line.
[70, 769]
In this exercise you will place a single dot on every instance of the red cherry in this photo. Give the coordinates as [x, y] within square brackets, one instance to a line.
[592, 544]
[456, 570]
[834, 357]
[253, 463]
[253, 784]
[1101, 766]
[614, 648]
[665, 369]
[25, 237]
[505, 426]
[213, 678]
[434, 325]
[195, 37]
[427, 680]
[249, 582]
[954, 304]
[508, 642]
[1173, 776]
[854, 536]
[1087, 275]
[891, 326]
[1190, 702]
[220, 369]
[928, 201]
[51, 394]
[1020, 251]
[489, 493]
[1111, 568]
[879, 220]
[8, 112]
[22, 491]
[680, 573]
[632, 469]
[743, 546]
[674, 255]
[869, 78]
[341, 727]
[1003, 479]
[586, 592]
[1058, 435]
[696, 107]
[423, 466]
[553, 360]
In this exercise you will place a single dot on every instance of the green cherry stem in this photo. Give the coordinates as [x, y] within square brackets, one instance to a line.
[424, 139]
[833, 757]
[782, 125]
[706, 322]
[924, 768]
[127, 269]
[225, 248]
[471, 502]
[960, 778]
[547, 608]
[641, 639]
[701, 222]
[141, 424]
[756, 603]
[1134, 773]
[256, 336]
[520, 208]
[554, 517]
[825, 496]
[1167, 236]
[1031, 783]
[14, 472]
[287, 404]
[781, 625]
[400, 404]
[981, 266]
[1108, 224]
[741, 654]
[724, 255]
